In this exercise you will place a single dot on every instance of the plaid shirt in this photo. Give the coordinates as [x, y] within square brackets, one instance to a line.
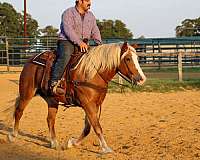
[75, 27]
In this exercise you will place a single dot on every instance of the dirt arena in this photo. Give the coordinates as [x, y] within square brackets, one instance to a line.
[148, 126]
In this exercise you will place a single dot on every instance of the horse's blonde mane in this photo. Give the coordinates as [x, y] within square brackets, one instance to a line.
[100, 58]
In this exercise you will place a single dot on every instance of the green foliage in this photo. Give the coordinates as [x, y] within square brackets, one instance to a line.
[189, 27]
[172, 70]
[49, 31]
[113, 29]
[32, 25]
[12, 22]
[158, 85]
[9, 20]
[161, 84]
[12, 25]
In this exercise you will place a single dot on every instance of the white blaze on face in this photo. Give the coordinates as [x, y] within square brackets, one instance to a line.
[135, 60]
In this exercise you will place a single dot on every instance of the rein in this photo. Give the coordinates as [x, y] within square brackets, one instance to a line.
[133, 81]
[124, 77]
[96, 87]
[87, 84]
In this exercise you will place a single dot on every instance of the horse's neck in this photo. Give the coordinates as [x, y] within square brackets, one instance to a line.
[108, 75]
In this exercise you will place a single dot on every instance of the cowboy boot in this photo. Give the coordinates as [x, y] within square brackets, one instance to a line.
[64, 50]
[56, 89]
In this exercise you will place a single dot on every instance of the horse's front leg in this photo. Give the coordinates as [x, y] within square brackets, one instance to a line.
[92, 114]
[75, 142]
[52, 111]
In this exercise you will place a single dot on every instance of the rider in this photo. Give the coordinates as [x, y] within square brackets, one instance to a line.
[77, 23]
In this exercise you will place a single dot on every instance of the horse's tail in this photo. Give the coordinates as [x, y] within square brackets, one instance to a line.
[8, 112]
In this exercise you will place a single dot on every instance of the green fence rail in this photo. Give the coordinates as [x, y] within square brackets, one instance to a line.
[15, 51]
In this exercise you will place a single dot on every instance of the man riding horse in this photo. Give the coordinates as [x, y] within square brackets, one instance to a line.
[77, 24]
[89, 78]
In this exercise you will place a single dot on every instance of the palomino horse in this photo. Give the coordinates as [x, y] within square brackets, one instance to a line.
[92, 74]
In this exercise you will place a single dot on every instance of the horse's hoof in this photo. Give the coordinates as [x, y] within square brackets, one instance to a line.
[11, 137]
[54, 145]
[107, 150]
[72, 143]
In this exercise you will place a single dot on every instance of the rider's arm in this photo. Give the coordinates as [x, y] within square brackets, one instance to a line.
[95, 34]
[67, 19]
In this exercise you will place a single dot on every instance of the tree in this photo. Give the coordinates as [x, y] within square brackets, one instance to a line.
[113, 29]
[9, 20]
[31, 25]
[121, 31]
[106, 28]
[49, 31]
[12, 22]
[12, 25]
[189, 27]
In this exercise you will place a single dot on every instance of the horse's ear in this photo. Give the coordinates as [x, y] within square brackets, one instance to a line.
[124, 48]
[134, 45]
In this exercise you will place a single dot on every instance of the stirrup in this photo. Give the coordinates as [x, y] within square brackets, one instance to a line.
[70, 101]
[56, 89]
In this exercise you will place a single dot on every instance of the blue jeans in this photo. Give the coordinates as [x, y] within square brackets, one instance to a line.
[64, 51]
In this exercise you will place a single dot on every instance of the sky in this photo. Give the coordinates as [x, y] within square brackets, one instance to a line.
[150, 18]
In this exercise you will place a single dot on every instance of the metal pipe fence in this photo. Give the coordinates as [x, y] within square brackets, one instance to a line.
[14, 52]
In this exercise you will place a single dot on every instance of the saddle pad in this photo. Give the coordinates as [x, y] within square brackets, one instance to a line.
[41, 58]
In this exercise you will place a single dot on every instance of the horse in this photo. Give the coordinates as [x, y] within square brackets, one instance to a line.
[90, 78]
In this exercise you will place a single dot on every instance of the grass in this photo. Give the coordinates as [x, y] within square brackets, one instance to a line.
[157, 85]
[172, 69]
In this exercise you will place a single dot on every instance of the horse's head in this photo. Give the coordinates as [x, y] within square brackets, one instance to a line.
[129, 66]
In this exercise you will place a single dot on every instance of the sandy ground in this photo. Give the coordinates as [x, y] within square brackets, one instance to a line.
[148, 126]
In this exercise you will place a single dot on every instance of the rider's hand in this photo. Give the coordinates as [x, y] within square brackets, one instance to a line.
[83, 47]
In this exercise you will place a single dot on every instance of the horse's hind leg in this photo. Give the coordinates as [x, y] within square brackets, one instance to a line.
[52, 111]
[75, 142]
[20, 105]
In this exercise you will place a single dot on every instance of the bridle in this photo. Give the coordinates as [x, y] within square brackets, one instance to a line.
[132, 81]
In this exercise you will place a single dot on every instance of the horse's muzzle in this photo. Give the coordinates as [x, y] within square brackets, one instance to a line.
[138, 80]
[141, 81]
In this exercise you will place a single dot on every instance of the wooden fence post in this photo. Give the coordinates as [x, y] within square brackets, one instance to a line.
[180, 67]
